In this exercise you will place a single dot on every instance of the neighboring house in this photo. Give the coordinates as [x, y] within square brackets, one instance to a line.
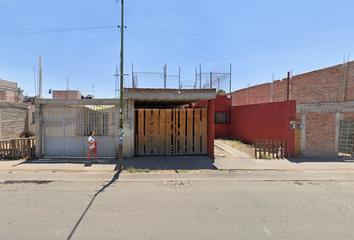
[8, 91]
[154, 123]
[68, 94]
[324, 108]
[13, 120]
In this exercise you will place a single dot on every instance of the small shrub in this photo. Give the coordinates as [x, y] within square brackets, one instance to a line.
[135, 170]
[262, 156]
[237, 141]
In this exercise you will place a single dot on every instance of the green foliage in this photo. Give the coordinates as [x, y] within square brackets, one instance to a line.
[262, 156]
[237, 141]
[220, 92]
[137, 170]
[20, 92]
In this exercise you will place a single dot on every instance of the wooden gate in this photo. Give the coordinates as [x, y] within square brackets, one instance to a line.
[166, 132]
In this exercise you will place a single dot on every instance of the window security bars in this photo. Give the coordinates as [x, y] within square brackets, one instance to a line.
[221, 118]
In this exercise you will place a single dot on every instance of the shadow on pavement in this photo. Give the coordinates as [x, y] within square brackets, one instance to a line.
[170, 162]
[194, 162]
[67, 160]
[115, 177]
[318, 160]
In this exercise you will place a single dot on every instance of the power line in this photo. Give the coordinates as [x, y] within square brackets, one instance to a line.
[209, 59]
[32, 31]
[243, 40]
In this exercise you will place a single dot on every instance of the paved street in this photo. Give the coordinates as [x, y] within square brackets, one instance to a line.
[177, 210]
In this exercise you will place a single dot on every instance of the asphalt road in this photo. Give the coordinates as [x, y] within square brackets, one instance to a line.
[178, 210]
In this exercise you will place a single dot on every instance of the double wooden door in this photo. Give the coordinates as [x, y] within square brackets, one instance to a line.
[166, 132]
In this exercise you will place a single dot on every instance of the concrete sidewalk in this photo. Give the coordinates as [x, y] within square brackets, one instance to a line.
[178, 168]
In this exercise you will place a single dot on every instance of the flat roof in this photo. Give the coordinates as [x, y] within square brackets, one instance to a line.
[158, 96]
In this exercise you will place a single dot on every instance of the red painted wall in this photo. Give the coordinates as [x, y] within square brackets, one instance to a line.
[255, 121]
[222, 104]
[264, 121]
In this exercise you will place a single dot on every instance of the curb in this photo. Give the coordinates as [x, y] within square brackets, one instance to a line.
[163, 176]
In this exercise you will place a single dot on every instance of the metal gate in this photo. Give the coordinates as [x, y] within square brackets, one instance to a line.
[67, 127]
[171, 131]
[345, 143]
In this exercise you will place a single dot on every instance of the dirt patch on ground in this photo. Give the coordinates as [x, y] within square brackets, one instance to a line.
[243, 147]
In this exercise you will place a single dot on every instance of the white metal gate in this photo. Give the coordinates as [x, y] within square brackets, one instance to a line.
[67, 127]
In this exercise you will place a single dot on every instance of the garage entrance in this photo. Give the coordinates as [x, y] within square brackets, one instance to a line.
[166, 132]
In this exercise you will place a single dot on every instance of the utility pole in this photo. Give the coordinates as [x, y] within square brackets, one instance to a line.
[121, 132]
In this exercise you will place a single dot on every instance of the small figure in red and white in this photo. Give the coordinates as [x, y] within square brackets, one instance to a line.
[92, 148]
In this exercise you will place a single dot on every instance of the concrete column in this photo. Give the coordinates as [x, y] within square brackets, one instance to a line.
[39, 130]
[303, 135]
[337, 129]
[211, 128]
[128, 125]
[132, 126]
[116, 131]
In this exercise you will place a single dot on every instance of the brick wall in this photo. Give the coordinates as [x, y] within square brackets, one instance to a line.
[320, 135]
[13, 120]
[8, 96]
[66, 94]
[317, 86]
[349, 96]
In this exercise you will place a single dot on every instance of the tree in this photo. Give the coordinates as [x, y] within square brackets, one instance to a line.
[220, 92]
[20, 92]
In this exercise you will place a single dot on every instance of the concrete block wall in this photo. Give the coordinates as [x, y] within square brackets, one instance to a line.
[31, 120]
[7, 85]
[14, 120]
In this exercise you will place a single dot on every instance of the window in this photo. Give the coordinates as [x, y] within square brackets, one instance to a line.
[33, 117]
[221, 118]
[105, 123]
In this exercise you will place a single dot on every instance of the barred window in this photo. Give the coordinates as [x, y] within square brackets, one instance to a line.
[221, 118]
[105, 123]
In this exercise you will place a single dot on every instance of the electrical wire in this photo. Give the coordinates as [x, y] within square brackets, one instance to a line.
[209, 59]
[32, 31]
[243, 40]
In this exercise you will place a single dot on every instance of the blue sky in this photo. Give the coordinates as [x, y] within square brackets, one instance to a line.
[259, 38]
